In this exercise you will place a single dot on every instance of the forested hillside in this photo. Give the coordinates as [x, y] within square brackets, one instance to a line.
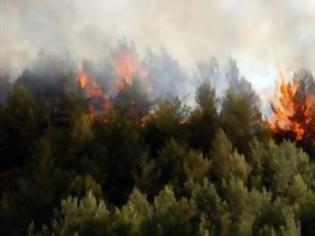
[82, 158]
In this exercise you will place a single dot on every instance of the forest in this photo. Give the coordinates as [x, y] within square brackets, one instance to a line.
[127, 155]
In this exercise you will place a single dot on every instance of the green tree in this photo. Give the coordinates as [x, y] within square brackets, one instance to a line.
[276, 166]
[174, 164]
[225, 161]
[114, 153]
[240, 118]
[18, 127]
[204, 119]
[169, 120]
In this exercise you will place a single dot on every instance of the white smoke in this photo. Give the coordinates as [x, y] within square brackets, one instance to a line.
[258, 34]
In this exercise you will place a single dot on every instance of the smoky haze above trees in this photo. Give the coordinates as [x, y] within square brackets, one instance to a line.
[166, 78]
[257, 33]
[150, 163]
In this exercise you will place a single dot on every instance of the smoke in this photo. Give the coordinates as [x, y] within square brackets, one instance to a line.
[258, 34]
[266, 32]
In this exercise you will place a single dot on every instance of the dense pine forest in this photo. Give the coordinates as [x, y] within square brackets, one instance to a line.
[80, 155]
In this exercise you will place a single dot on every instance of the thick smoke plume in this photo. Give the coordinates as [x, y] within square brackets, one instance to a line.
[257, 33]
[174, 40]
[157, 74]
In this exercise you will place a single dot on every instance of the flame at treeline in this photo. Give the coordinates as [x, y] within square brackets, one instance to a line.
[124, 71]
[92, 90]
[293, 111]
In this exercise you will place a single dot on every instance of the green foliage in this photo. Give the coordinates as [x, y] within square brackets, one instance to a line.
[173, 165]
[165, 123]
[240, 118]
[18, 126]
[226, 161]
[207, 171]
[206, 98]
[88, 216]
[115, 150]
[281, 165]
[80, 186]
[166, 216]
[204, 119]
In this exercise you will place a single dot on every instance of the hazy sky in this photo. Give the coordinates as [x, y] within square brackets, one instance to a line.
[258, 33]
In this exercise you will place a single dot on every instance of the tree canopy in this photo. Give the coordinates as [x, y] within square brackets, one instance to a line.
[148, 167]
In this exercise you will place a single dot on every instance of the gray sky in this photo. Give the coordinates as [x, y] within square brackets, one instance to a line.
[259, 33]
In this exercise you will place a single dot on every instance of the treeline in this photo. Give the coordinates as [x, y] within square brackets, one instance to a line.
[143, 168]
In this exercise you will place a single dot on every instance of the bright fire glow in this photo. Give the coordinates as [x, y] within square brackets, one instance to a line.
[125, 69]
[293, 112]
[92, 90]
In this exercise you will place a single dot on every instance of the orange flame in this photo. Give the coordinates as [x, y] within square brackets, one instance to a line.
[88, 84]
[293, 111]
[125, 69]
[92, 90]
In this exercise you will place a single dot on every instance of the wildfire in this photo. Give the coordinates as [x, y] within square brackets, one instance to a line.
[88, 84]
[125, 69]
[93, 91]
[293, 112]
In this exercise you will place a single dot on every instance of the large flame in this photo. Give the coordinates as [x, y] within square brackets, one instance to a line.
[293, 111]
[124, 70]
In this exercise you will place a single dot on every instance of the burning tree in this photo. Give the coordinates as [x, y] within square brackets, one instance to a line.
[98, 99]
[294, 112]
[126, 92]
